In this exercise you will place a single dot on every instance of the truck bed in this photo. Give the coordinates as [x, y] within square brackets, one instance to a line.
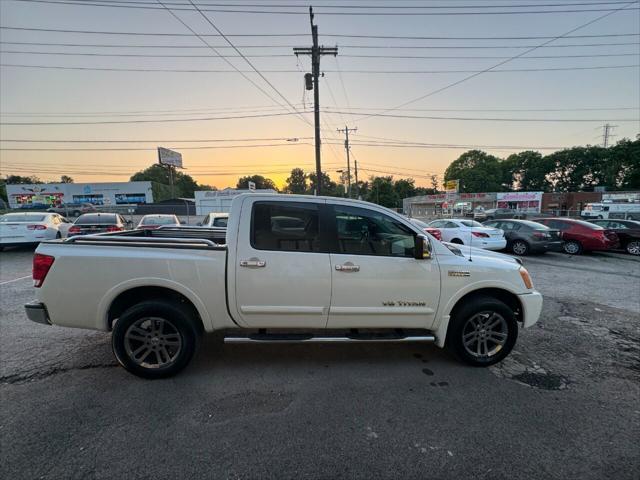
[165, 237]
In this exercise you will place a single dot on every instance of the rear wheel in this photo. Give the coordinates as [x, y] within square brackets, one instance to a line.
[633, 247]
[76, 213]
[520, 247]
[483, 331]
[572, 247]
[155, 339]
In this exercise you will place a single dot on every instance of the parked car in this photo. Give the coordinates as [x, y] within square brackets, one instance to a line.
[215, 220]
[91, 223]
[470, 232]
[494, 213]
[628, 232]
[40, 207]
[434, 232]
[356, 272]
[150, 222]
[579, 236]
[31, 228]
[72, 209]
[525, 237]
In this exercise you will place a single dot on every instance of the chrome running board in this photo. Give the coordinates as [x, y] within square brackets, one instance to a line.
[327, 339]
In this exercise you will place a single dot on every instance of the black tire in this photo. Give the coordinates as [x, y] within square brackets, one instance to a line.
[633, 247]
[572, 247]
[520, 247]
[457, 241]
[58, 236]
[136, 329]
[462, 318]
[77, 213]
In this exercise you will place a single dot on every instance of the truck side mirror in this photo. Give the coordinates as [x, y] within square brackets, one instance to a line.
[422, 248]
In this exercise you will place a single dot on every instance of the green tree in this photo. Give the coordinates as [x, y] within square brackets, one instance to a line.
[260, 181]
[184, 184]
[405, 187]
[530, 170]
[382, 192]
[66, 179]
[478, 172]
[329, 187]
[297, 182]
[16, 179]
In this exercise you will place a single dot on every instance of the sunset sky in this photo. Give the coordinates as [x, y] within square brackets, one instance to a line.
[183, 110]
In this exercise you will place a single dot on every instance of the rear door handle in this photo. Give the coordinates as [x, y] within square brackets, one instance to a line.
[253, 262]
[348, 267]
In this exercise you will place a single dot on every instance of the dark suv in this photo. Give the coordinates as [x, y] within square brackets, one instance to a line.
[72, 209]
[524, 237]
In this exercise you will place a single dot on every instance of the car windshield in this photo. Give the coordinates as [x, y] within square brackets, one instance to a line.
[21, 217]
[588, 225]
[96, 219]
[158, 220]
[471, 223]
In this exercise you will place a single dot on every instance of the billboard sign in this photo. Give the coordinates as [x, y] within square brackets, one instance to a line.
[169, 157]
[451, 186]
[252, 186]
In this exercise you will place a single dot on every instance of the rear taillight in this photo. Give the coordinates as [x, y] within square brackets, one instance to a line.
[114, 228]
[41, 265]
[36, 227]
[480, 234]
[541, 235]
[74, 229]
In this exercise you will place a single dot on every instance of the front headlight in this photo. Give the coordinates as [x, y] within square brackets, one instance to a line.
[526, 278]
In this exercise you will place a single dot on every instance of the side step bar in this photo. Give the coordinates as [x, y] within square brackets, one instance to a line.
[327, 339]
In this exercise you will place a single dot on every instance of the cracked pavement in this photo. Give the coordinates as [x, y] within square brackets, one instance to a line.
[565, 404]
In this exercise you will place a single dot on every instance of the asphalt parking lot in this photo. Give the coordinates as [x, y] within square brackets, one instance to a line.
[564, 405]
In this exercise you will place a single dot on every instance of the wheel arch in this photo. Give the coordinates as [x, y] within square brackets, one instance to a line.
[508, 297]
[124, 296]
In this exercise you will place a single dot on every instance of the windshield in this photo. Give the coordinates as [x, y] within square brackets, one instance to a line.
[419, 223]
[590, 225]
[157, 221]
[534, 225]
[471, 223]
[21, 217]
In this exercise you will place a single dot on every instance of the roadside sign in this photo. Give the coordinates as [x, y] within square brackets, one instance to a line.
[169, 157]
[452, 186]
[252, 186]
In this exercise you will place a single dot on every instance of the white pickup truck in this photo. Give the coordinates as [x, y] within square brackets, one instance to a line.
[291, 269]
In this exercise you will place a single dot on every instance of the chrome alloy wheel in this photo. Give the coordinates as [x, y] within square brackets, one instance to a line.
[152, 342]
[519, 248]
[485, 334]
[634, 247]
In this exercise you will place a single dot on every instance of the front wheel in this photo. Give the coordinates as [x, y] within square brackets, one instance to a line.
[572, 247]
[520, 247]
[483, 331]
[155, 339]
[633, 248]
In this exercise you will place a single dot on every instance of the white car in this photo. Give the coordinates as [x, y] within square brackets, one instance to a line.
[470, 232]
[31, 228]
[215, 220]
[294, 268]
[150, 222]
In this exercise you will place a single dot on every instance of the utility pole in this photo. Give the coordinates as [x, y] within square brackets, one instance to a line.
[346, 131]
[607, 130]
[316, 52]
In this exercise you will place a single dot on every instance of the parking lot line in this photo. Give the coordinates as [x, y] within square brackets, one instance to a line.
[15, 280]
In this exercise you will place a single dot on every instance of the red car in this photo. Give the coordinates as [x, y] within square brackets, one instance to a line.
[579, 236]
[434, 232]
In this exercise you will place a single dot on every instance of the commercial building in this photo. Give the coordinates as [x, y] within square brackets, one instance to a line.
[219, 201]
[116, 193]
[528, 202]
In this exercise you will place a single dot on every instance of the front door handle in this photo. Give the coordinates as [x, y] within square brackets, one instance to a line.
[348, 267]
[253, 262]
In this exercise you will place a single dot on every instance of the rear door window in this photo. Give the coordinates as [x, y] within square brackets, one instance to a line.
[290, 227]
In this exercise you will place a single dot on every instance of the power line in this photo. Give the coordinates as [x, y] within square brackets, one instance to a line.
[166, 120]
[332, 13]
[380, 72]
[210, 22]
[33, 140]
[149, 149]
[270, 55]
[458, 82]
[259, 35]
